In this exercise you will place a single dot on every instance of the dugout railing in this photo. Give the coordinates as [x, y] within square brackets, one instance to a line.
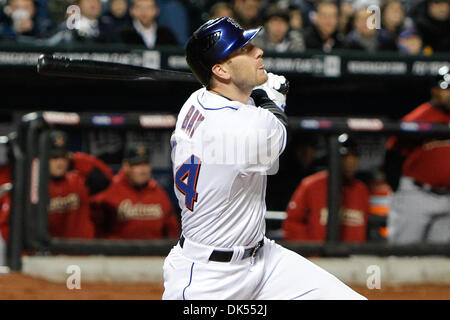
[29, 223]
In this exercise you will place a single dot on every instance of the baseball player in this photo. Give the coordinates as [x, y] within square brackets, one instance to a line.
[307, 212]
[228, 136]
[135, 206]
[420, 208]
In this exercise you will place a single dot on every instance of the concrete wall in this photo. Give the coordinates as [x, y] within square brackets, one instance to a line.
[354, 270]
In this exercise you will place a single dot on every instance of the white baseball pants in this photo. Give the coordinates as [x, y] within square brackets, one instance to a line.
[275, 273]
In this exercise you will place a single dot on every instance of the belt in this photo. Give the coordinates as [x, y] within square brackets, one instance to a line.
[226, 256]
[429, 188]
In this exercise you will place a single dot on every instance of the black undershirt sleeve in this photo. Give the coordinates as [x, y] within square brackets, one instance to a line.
[262, 100]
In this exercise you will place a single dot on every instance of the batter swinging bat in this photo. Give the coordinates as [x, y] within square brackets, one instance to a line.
[90, 69]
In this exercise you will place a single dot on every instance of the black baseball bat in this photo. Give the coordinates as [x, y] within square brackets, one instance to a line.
[91, 69]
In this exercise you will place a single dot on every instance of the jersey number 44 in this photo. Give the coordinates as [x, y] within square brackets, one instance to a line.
[186, 180]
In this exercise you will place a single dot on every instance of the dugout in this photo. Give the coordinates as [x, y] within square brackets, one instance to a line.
[29, 216]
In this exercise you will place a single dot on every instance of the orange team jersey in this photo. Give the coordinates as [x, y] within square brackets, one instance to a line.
[307, 211]
[69, 215]
[128, 213]
[5, 204]
[428, 163]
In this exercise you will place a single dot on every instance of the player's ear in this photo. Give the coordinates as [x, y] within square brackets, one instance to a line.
[221, 71]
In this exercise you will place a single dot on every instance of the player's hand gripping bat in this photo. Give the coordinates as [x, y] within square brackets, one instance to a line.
[90, 69]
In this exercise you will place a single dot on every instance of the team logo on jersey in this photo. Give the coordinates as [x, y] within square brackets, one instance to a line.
[127, 210]
[64, 204]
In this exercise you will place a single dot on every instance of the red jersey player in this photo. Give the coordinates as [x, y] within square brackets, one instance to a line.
[420, 208]
[69, 215]
[307, 211]
[135, 206]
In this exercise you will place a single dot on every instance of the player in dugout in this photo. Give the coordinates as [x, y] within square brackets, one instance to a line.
[69, 214]
[135, 206]
[419, 173]
[307, 212]
[85, 169]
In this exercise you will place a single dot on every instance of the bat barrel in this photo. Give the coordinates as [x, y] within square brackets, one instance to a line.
[90, 69]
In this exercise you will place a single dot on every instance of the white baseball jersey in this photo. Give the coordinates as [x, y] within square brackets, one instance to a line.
[222, 150]
[221, 153]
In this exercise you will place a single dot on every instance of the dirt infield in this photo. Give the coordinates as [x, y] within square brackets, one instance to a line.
[19, 286]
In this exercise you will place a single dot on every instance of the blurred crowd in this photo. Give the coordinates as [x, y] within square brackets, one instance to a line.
[408, 27]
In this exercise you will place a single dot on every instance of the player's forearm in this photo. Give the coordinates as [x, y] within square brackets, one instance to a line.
[262, 100]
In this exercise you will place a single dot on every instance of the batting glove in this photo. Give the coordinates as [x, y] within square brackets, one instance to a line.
[276, 88]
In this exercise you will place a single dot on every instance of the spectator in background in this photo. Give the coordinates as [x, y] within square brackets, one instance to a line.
[248, 13]
[393, 17]
[432, 20]
[22, 22]
[323, 34]
[295, 18]
[116, 15]
[174, 15]
[96, 173]
[307, 212]
[368, 38]
[69, 214]
[419, 173]
[135, 206]
[306, 7]
[58, 10]
[410, 42]
[88, 27]
[347, 12]
[221, 9]
[277, 35]
[144, 29]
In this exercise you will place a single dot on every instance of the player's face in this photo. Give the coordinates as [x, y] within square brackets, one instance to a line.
[246, 67]
[58, 166]
[138, 174]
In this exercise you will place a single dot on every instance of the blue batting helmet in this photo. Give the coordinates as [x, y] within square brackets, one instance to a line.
[212, 43]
